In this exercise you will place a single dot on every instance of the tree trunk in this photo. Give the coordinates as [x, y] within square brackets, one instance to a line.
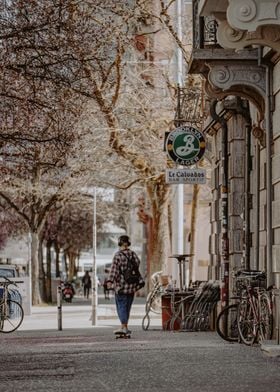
[48, 275]
[65, 264]
[42, 275]
[72, 257]
[36, 297]
[159, 240]
[57, 252]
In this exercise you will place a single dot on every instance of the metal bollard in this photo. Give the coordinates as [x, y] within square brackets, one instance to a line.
[278, 317]
[59, 307]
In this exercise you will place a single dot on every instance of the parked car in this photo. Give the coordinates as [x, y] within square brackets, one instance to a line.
[8, 271]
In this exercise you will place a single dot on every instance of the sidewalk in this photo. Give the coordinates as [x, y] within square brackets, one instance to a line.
[271, 348]
[91, 359]
[79, 316]
[39, 357]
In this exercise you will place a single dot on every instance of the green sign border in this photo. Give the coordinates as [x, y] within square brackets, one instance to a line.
[185, 130]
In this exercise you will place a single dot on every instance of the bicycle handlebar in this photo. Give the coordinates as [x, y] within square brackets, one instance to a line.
[253, 274]
[10, 282]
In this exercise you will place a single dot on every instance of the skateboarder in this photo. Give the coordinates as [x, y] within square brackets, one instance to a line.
[125, 279]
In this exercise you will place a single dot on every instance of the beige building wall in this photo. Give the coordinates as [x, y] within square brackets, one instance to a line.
[261, 209]
[276, 172]
[236, 165]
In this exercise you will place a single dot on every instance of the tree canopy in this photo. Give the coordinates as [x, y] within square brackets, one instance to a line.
[87, 95]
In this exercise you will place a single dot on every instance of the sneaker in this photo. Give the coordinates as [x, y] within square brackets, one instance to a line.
[120, 330]
[127, 331]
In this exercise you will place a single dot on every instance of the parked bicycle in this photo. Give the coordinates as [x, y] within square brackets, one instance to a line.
[153, 301]
[254, 313]
[249, 319]
[226, 324]
[11, 312]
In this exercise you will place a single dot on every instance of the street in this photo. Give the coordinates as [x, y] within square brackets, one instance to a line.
[93, 360]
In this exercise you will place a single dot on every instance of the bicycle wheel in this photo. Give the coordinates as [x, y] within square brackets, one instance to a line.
[189, 323]
[227, 323]
[175, 321]
[266, 320]
[146, 322]
[11, 316]
[153, 302]
[246, 323]
[203, 321]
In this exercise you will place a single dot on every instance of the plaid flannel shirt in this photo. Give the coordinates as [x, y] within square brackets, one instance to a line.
[119, 264]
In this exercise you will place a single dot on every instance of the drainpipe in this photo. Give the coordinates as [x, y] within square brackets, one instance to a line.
[247, 195]
[257, 209]
[224, 200]
[269, 138]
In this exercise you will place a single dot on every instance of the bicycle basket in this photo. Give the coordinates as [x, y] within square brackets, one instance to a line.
[250, 278]
[164, 280]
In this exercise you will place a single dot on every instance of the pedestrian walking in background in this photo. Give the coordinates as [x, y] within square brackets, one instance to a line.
[105, 288]
[86, 281]
[125, 279]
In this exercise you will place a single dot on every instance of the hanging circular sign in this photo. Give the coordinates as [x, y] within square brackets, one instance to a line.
[185, 145]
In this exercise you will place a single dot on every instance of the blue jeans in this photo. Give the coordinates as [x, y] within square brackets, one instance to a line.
[123, 304]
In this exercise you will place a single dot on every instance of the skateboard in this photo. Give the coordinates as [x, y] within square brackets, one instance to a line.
[122, 335]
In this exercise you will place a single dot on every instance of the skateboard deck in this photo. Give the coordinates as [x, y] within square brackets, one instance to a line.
[122, 335]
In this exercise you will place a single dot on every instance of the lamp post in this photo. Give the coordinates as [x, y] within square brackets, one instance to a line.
[178, 200]
[94, 280]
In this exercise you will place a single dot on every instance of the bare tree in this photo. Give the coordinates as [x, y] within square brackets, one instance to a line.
[97, 50]
[10, 225]
[37, 138]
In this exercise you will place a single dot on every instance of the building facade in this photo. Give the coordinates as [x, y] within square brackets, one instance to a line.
[236, 51]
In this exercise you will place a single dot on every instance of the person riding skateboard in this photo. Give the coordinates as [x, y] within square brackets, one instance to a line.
[125, 287]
